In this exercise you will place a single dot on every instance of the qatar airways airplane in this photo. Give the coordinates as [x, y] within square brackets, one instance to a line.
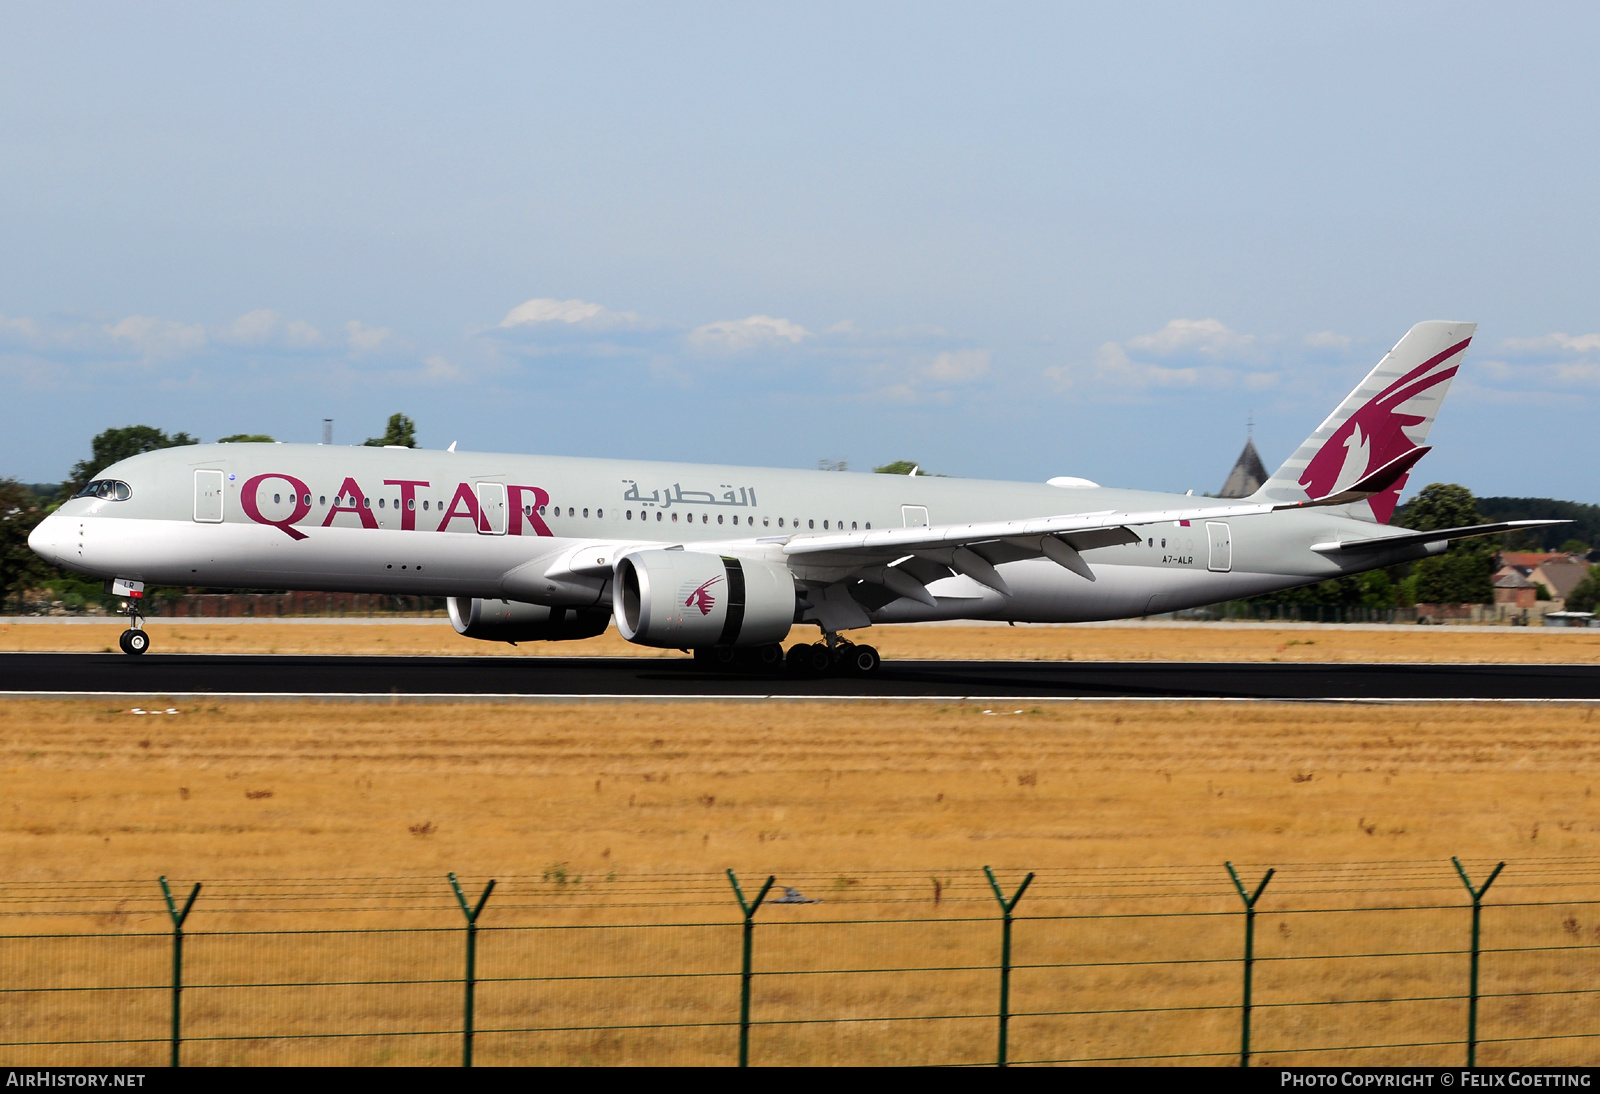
[725, 561]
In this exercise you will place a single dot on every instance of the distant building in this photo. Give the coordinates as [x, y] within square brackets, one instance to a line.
[1560, 576]
[1247, 475]
[1515, 589]
[1558, 573]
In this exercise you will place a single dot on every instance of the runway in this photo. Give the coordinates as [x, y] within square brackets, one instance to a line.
[155, 675]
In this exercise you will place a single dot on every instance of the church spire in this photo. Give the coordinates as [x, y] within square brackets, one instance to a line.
[1248, 473]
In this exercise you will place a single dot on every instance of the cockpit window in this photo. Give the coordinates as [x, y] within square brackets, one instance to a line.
[106, 490]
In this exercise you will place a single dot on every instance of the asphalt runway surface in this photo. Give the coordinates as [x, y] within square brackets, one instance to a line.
[628, 677]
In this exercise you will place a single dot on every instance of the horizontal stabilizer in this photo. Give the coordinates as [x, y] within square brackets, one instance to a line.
[1379, 481]
[1439, 535]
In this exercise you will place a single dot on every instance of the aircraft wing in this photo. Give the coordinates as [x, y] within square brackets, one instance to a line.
[904, 560]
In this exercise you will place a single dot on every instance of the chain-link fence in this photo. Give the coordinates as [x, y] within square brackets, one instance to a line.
[1375, 963]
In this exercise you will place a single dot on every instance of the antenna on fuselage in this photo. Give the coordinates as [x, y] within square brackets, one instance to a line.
[327, 431]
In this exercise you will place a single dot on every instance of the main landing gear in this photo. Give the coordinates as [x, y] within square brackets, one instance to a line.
[838, 658]
[820, 659]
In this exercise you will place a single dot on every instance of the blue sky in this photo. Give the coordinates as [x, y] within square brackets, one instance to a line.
[1008, 242]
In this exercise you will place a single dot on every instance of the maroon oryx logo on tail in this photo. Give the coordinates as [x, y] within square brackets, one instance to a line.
[1375, 435]
[701, 598]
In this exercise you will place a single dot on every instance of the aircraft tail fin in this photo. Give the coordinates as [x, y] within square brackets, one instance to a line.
[1386, 416]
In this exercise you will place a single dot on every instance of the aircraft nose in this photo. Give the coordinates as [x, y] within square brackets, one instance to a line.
[49, 538]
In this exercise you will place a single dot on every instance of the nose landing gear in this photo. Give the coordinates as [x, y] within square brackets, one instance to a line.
[134, 640]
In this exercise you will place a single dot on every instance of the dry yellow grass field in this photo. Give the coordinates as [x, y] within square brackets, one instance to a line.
[1248, 642]
[307, 789]
[809, 791]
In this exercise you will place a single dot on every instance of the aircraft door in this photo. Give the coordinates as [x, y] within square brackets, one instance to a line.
[914, 516]
[208, 497]
[1221, 547]
[492, 508]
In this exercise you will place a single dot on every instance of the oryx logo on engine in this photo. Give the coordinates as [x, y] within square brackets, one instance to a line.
[700, 597]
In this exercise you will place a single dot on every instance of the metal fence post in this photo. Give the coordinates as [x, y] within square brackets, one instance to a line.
[1006, 907]
[749, 909]
[1472, 988]
[1249, 954]
[471, 912]
[177, 960]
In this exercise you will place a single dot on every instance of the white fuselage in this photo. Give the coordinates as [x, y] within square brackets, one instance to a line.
[542, 530]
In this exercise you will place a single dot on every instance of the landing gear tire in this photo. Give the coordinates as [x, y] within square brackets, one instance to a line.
[133, 642]
[769, 658]
[861, 660]
[818, 659]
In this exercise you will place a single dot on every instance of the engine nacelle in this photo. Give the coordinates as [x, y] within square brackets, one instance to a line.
[686, 599]
[514, 621]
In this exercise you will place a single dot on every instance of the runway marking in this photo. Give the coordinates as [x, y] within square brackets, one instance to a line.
[550, 697]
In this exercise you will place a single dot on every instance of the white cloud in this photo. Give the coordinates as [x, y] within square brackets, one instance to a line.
[957, 366]
[736, 335]
[25, 329]
[364, 339]
[1186, 353]
[1562, 362]
[1326, 339]
[1113, 365]
[544, 310]
[440, 368]
[264, 326]
[158, 337]
[1581, 343]
[573, 313]
[1208, 336]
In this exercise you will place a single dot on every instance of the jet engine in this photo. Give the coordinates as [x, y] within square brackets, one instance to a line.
[685, 599]
[514, 621]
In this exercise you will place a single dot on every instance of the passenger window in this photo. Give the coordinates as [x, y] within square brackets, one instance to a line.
[658, 514]
[411, 505]
[869, 526]
[705, 518]
[541, 510]
[852, 526]
[277, 499]
[380, 503]
[811, 524]
[366, 503]
[599, 514]
[766, 522]
[322, 499]
[736, 518]
[674, 518]
[571, 512]
[824, 526]
[780, 522]
[1163, 543]
[719, 518]
[586, 513]
[630, 514]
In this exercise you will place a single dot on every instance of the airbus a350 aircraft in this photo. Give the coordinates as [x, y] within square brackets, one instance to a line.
[724, 561]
